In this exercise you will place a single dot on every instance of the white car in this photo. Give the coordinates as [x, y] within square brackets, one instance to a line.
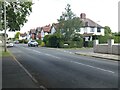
[9, 44]
[32, 43]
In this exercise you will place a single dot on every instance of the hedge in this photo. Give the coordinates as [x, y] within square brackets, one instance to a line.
[90, 43]
[116, 39]
[39, 42]
[23, 41]
[103, 39]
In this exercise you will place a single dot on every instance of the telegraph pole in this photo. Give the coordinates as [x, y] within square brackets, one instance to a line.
[5, 48]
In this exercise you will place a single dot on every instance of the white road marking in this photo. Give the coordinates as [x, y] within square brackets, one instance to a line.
[75, 62]
[27, 72]
[92, 67]
[52, 56]
[44, 53]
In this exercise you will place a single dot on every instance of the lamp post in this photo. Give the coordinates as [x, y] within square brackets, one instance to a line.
[5, 48]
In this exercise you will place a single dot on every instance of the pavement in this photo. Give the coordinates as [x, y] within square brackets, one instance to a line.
[89, 52]
[100, 55]
[14, 76]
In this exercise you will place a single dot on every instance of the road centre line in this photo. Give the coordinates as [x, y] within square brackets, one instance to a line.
[92, 67]
[75, 62]
[44, 53]
[53, 56]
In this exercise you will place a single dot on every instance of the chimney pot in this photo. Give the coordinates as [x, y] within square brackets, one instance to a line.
[83, 16]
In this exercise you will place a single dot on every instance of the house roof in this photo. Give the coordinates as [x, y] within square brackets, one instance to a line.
[23, 34]
[38, 28]
[88, 22]
[55, 25]
[46, 28]
[32, 30]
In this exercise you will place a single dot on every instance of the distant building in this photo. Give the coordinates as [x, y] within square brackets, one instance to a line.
[45, 31]
[90, 29]
[22, 36]
[32, 33]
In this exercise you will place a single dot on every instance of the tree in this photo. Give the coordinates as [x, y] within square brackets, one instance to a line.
[68, 23]
[107, 30]
[17, 35]
[15, 15]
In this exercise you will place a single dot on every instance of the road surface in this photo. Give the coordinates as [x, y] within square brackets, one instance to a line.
[54, 68]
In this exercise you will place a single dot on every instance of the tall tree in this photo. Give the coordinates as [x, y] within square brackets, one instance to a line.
[13, 15]
[16, 13]
[68, 23]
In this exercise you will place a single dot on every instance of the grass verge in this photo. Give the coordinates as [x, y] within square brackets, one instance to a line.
[4, 54]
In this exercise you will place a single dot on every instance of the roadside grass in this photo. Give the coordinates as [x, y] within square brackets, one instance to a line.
[4, 54]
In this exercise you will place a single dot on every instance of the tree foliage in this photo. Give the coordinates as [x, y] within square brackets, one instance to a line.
[17, 35]
[68, 23]
[107, 30]
[54, 40]
[16, 13]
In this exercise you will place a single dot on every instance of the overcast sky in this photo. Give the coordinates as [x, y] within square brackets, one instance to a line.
[48, 11]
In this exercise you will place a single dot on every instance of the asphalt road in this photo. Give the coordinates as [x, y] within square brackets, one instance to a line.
[54, 68]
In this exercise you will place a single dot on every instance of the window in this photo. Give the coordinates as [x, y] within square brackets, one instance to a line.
[92, 30]
[98, 29]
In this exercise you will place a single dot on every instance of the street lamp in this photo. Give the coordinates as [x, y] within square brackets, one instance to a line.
[5, 48]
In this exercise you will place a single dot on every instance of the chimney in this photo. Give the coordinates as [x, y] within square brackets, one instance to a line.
[83, 16]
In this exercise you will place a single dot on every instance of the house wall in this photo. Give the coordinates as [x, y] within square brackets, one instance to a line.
[28, 37]
[88, 30]
[45, 33]
[33, 36]
[53, 30]
[21, 38]
[109, 48]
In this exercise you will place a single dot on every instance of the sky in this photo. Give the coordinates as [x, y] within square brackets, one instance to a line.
[48, 11]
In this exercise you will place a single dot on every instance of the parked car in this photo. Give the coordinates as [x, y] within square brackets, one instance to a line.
[16, 42]
[32, 43]
[9, 44]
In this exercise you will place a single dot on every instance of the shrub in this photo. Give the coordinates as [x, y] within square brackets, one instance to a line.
[116, 39]
[74, 44]
[61, 44]
[46, 38]
[20, 41]
[103, 39]
[39, 42]
[90, 43]
[25, 41]
[42, 44]
[54, 40]
[78, 43]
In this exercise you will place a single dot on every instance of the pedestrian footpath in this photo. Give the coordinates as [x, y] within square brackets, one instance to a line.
[99, 55]
[13, 76]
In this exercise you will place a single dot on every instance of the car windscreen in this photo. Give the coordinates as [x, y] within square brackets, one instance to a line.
[32, 41]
